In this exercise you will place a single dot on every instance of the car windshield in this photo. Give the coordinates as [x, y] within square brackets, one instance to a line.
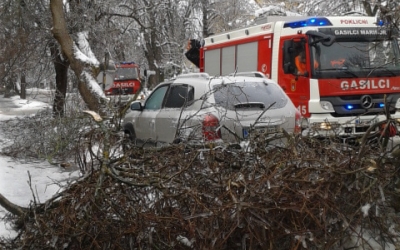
[126, 73]
[357, 58]
[232, 96]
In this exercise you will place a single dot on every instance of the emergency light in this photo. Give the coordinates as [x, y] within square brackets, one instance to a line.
[380, 23]
[317, 21]
[351, 106]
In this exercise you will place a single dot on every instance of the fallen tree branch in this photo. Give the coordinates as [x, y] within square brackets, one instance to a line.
[11, 207]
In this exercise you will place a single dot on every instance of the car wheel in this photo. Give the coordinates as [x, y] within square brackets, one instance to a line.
[129, 140]
[177, 141]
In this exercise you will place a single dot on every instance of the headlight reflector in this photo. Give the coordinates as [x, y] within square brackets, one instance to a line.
[327, 106]
[325, 125]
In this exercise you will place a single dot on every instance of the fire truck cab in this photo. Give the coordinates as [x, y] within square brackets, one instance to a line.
[125, 84]
[352, 68]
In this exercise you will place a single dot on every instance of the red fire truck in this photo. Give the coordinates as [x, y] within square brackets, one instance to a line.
[354, 75]
[126, 82]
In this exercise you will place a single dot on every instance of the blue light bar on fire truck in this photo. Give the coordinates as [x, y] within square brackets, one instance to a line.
[316, 21]
[351, 106]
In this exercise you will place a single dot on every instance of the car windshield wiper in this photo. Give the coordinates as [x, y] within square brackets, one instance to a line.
[380, 70]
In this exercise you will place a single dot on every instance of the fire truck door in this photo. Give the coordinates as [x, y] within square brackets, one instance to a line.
[294, 75]
[264, 56]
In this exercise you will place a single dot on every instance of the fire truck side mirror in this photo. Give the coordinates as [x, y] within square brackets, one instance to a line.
[326, 40]
[288, 57]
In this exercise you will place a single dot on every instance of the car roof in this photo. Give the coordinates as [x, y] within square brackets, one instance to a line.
[203, 82]
[199, 78]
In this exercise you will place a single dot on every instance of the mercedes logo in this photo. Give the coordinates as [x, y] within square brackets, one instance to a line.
[366, 101]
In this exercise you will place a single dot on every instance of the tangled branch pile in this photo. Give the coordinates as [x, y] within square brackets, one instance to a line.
[310, 194]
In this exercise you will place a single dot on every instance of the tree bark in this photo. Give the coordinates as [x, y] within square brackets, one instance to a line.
[60, 33]
[61, 67]
[368, 9]
[11, 207]
[23, 86]
[153, 54]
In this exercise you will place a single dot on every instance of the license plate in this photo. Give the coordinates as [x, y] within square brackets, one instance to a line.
[365, 122]
[247, 132]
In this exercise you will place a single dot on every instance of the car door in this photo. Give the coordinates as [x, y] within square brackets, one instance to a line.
[171, 116]
[145, 122]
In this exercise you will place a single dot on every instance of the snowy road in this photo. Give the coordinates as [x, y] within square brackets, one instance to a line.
[14, 106]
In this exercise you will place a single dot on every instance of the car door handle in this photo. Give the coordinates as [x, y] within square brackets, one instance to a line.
[174, 123]
[152, 124]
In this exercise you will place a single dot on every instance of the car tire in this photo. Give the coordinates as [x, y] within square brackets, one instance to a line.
[129, 140]
[177, 141]
[129, 131]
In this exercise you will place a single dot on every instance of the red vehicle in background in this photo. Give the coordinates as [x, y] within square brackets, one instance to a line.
[126, 82]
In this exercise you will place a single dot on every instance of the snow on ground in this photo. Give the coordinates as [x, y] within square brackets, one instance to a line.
[46, 179]
[14, 106]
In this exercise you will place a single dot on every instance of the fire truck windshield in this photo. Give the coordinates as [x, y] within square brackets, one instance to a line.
[356, 57]
[126, 74]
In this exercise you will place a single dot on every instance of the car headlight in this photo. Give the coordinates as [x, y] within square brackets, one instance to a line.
[327, 106]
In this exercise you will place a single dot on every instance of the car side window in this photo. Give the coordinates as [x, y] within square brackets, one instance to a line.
[179, 96]
[155, 100]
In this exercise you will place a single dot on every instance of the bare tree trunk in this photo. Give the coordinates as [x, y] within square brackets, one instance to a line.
[368, 9]
[60, 33]
[205, 18]
[61, 67]
[153, 54]
[23, 86]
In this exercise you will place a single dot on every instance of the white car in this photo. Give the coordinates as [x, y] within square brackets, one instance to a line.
[199, 108]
